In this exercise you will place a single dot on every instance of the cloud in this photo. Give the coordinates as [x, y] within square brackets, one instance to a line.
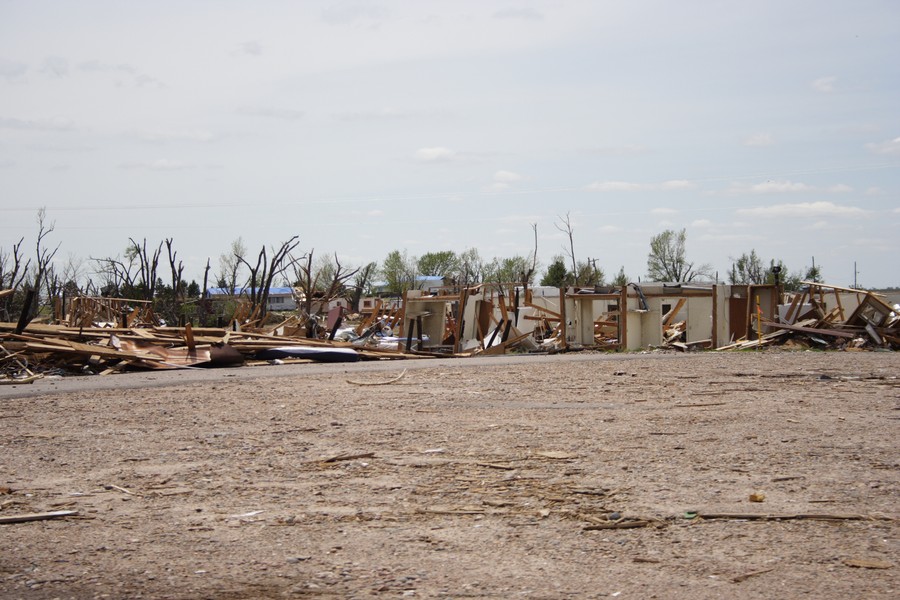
[664, 211]
[629, 186]
[345, 13]
[375, 213]
[518, 13]
[609, 229]
[702, 223]
[616, 186]
[783, 186]
[503, 180]
[729, 237]
[759, 139]
[389, 114]
[807, 210]
[12, 71]
[55, 66]
[160, 136]
[507, 177]
[626, 150]
[287, 114]
[249, 48]
[874, 191]
[435, 154]
[54, 124]
[162, 164]
[137, 77]
[678, 184]
[824, 85]
[886, 147]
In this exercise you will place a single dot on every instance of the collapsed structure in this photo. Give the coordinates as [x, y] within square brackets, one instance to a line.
[103, 335]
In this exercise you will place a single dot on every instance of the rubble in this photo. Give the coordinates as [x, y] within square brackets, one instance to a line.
[103, 336]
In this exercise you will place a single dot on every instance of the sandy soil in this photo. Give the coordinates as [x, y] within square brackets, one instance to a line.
[464, 479]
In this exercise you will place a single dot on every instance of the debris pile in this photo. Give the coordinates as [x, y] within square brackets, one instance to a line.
[828, 317]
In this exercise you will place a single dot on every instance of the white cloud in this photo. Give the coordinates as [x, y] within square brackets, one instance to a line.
[609, 229]
[630, 186]
[506, 177]
[137, 77]
[702, 223]
[678, 184]
[729, 237]
[780, 187]
[249, 48]
[626, 150]
[375, 213]
[874, 191]
[345, 13]
[759, 139]
[162, 164]
[518, 13]
[808, 210]
[12, 71]
[886, 147]
[54, 124]
[435, 154]
[616, 186]
[824, 84]
[784, 186]
[175, 136]
[287, 114]
[664, 211]
[55, 66]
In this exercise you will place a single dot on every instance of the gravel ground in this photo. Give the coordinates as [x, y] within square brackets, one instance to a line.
[469, 478]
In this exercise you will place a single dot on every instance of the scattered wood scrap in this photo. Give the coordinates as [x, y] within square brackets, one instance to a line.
[43, 516]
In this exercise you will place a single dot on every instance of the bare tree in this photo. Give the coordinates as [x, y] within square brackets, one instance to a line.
[322, 282]
[265, 271]
[13, 270]
[565, 226]
[44, 257]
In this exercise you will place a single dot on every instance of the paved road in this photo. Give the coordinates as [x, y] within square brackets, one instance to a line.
[145, 379]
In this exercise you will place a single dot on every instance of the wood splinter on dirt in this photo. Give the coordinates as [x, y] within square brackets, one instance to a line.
[56, 514]
[746, 576]
[110, 486]
[341, 457]
[389, 381]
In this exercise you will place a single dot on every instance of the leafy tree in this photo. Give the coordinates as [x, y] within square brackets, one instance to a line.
[399, 272]
[620, 280]
[667, 260]
[515, 269]
[588, 273]
[230, 266]
[557, 274]
[748, 269]
[441, 264]
[470, 267]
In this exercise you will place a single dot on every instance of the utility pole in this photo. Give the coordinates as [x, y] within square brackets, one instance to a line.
[855, 273]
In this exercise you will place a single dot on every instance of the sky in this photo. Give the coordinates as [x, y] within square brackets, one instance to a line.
[421, 126]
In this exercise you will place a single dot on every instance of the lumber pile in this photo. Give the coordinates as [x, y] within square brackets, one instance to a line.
[41, 348]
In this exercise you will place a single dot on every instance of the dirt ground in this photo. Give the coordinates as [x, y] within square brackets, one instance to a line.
[466, 478]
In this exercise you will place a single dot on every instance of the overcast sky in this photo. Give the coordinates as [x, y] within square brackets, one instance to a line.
[422, 125]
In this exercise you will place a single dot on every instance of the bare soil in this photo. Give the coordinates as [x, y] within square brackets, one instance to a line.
[464, 479]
